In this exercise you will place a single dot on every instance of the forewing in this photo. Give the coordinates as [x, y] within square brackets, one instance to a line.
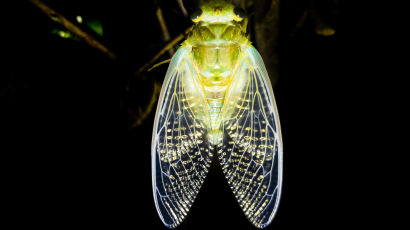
[251, 150]
[181, 153]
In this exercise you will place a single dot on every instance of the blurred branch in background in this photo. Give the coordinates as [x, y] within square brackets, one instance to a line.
[266, 34]
[181, 5]
[168, 46]
[57, 17]
[164, 29]
[143, 113]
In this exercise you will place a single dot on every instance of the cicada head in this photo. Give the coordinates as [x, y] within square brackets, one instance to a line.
[217, 11]
[217, 22]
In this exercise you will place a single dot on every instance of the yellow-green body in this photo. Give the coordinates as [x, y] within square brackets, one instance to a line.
[217, 100]
[216, 42]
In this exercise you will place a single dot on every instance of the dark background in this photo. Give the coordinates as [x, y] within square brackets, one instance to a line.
[77, 160]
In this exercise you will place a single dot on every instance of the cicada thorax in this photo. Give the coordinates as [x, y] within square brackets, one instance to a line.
[216, 55]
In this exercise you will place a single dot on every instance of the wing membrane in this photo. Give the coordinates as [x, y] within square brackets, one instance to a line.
[181, 153]
[251, 151]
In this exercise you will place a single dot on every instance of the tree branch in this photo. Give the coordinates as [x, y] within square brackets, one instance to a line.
[163, 50]
[57, 17]
[144, 113]
[266, 34]
[164, 28]
[181, 5]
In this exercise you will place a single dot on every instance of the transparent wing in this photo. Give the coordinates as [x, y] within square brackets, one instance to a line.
[181, 153]
[251, 150]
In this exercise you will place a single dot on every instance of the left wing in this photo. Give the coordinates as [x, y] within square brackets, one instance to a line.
[181, 152]
[251, 151]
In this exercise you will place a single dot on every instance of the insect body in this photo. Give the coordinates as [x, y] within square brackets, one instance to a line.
[217, 100]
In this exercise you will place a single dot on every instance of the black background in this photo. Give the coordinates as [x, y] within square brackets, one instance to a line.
[75, 161]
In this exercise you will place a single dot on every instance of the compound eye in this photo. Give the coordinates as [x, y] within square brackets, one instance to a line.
[196, 15]
[239, 14]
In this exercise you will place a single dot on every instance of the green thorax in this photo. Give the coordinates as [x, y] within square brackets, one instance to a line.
[216, 51]
[216, 42]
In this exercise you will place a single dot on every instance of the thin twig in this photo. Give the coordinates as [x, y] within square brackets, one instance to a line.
[163, 50]
[90, 40]
[164, 28]
[143, 114]
[181, 5]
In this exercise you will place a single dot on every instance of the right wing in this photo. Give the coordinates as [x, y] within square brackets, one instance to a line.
[251, 150]
[181, 152]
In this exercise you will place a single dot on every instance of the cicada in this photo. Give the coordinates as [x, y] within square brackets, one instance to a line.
[217, 99]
